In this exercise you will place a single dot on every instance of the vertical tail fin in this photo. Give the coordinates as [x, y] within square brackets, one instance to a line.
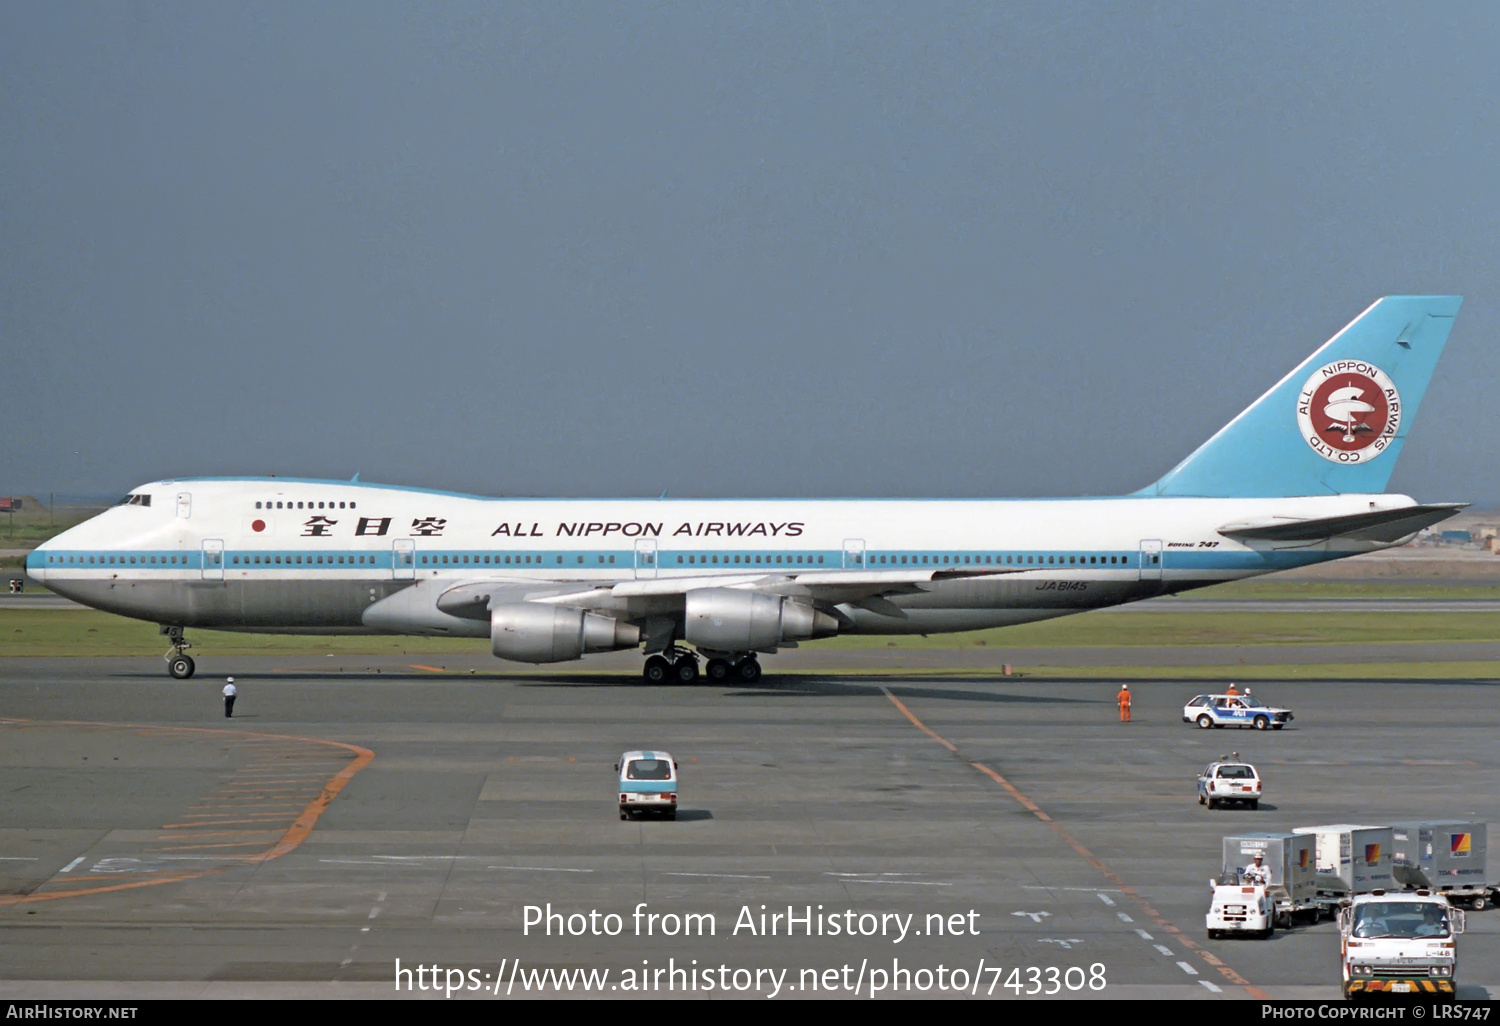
[1336, 423]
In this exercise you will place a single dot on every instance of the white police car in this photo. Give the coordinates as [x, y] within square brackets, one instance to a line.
[1234, 711]
[1222, 782]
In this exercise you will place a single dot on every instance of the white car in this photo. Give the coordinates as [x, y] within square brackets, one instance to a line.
[647, 783]
[1222, 782]
[1234, 711]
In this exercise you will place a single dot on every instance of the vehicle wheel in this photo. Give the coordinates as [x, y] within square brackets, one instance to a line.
[1262, 722]
[656, 670]
[671, 814]
[1202, 800]
[1277, 726]
[1478, 903]
[748, 670]
[1254, 803]
[624, 814]
[1213, 934]
[1205, 721]
[717, 670]
[182, 667]
[1213, 803]
[685, 670]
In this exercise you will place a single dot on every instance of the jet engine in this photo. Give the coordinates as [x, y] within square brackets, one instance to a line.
[530, 632]
[728, 620]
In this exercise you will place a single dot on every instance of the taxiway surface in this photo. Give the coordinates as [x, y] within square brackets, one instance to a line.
[345, 819]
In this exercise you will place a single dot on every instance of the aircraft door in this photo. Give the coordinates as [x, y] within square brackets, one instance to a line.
[184, 505]
[404, 559]
[213, 559]
[854, 554]
[645, 558]
[1151, 560]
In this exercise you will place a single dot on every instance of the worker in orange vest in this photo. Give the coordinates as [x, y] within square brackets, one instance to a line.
[1123, 698]
[1232, 690]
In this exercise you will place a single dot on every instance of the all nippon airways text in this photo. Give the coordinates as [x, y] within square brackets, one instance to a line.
[762, 921]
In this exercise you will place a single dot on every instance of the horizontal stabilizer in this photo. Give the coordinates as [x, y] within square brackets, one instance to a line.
[1384, 525]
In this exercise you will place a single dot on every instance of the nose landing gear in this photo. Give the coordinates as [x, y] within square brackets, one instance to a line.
[179, 664]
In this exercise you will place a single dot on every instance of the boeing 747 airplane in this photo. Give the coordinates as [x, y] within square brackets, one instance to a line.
[1296, 479]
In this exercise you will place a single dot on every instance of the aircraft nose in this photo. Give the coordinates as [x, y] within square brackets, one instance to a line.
[36, 566]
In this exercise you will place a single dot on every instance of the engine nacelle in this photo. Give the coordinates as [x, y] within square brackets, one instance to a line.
[530, 632]
[728, 620]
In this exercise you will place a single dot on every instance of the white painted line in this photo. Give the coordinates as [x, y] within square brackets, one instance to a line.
[72, 865]
[364, 929]
[1144, 934]
[1091, 890]
[902, 883]
[541, 869]
[374, 912]
[1166, 951]
[722, 876]
[1124, 918]
[380, 898]
[17, 858]
[872, 874]
[1106, 899]
[1185, 967]
[1210, 986]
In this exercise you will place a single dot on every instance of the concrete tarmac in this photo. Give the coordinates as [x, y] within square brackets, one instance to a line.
[346, 818]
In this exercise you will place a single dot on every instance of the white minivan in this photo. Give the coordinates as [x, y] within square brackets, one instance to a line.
[648, 783]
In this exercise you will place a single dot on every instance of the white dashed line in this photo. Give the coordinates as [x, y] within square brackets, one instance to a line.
[1106, 899]
[1185, 967]
[1124, 918]
[722, 876]
[72, 865]
[1212, 987]
[1144, 935]
[541, 869]
[1166, 951]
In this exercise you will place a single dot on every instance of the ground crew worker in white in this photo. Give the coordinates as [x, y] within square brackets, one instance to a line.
[1257, 873]
[229, 692]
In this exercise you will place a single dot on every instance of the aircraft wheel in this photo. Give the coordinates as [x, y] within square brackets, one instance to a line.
[685, 670]
[656, 670]
[1262, 722]
[182, 667]
[1205, 721]
[748, 670]
[717, 669]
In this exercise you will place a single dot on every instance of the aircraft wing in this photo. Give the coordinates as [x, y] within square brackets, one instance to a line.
[1385, 525]
[473, 600]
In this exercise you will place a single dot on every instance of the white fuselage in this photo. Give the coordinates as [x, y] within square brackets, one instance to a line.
[317, 557]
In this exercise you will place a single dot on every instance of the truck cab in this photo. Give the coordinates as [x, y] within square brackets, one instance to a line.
[647, 783]
[1399, 943]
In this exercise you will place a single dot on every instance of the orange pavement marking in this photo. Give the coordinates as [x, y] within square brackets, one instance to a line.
[1092, 859]
[432, 669]
[294, 835]
[221, 833]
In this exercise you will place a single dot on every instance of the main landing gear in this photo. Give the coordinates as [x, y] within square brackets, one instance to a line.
[680, 666]
[179, 664]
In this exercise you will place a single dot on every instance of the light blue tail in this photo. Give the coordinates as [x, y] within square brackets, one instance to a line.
[1335, 424]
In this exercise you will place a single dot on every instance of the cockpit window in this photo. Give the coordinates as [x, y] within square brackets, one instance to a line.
[135, 499]
[649, 769]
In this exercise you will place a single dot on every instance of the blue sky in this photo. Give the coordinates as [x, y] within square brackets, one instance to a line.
[713, 249]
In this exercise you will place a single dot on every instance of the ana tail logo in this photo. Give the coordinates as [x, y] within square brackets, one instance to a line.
[1348, 411]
